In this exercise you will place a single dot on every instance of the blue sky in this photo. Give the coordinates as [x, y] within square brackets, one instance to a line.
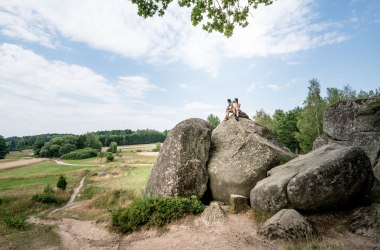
[77, 66]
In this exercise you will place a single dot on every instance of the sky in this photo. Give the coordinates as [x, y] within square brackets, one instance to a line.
[79, 66]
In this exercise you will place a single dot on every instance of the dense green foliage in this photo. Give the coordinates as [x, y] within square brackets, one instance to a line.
[310, 122]
[92, 141]
[213, 120]
[113, 147]
[3, 148]
[64, 145]
[221, 16]
[62, 183]
[129, 137]
[83, 153]
[283, 125]
[299, 127]
[47, 196]
[26, 142]
[154, 211]
[121, 137]
[61, 145]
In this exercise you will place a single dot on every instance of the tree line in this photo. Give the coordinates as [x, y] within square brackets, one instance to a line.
[121, 137]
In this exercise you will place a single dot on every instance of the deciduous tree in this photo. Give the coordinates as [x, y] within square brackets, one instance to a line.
[310, 124]
[3, 148]
[215, 15]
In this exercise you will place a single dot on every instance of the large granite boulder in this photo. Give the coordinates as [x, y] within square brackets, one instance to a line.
[326, 178]
[180, 169]
[241, 154]
[354, 123]
[286, 224]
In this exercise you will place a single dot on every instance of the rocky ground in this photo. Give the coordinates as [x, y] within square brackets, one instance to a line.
[235, 231]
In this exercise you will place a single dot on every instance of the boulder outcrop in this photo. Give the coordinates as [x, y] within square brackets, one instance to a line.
[241, 154]
[326, 178]
[354, 123]
[180, 169]
[286, 224]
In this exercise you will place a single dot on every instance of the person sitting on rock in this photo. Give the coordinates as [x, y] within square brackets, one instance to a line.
[236, 108]
[229, 109]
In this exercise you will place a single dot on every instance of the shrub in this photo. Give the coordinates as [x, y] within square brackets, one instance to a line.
[47, 196]
[15, 221]
[153, 211]
[62, 182]
[157, 148]
[110, 157]
[80, 154]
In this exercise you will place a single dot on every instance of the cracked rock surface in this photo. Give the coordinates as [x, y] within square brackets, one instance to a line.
[326, 178]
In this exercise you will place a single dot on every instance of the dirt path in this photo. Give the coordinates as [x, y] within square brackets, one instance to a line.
[237, 231]
[20, 163]
[71, 202]
[148, 153]
[59, 162]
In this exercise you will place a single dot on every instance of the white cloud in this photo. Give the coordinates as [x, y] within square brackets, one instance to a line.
[252, 87]
[186, 86]
[39, 96]
[273, 87]
[136, 86]
[282, 28]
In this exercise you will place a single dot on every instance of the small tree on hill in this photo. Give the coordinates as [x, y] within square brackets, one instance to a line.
[62, 183]
[3, 148]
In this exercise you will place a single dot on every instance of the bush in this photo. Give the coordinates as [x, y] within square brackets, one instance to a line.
[62, 182]
[47, 196]
[80, 154]
[110, 157]
[154, 211]
[15, 221]
[157, 148]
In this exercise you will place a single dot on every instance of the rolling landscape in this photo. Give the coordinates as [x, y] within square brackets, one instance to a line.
[190, 124]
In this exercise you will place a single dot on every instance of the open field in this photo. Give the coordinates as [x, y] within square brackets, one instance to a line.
[100, 193]
[19, 163]
[134, 148]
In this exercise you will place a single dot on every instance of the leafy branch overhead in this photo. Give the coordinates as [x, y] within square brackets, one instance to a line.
[218, 15]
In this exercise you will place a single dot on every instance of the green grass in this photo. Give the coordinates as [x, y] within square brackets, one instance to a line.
[135, 178]
[133, 158]
[38, 170]
[94, 160]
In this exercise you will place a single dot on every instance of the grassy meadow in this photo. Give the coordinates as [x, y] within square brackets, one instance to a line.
[120, 183]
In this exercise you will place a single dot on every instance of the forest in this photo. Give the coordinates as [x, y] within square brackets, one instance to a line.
[121, 137]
